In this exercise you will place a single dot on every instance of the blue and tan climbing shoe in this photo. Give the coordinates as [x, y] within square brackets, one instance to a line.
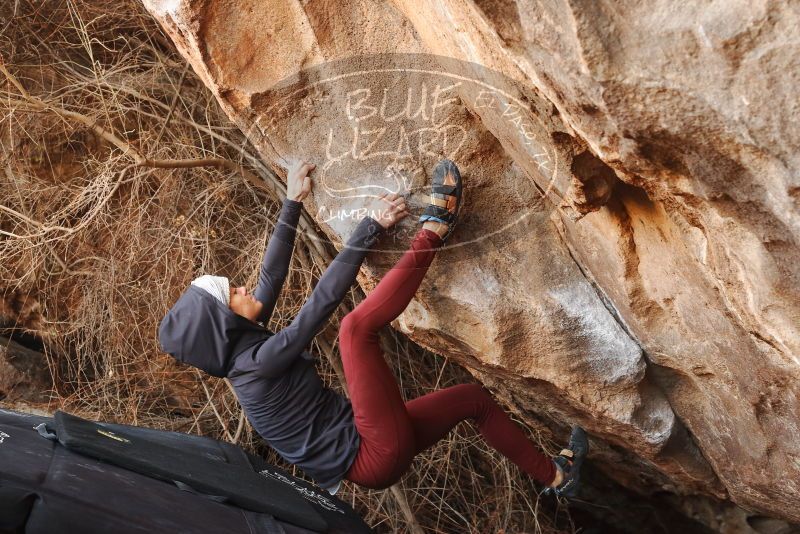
[445, 199]
[570, 461]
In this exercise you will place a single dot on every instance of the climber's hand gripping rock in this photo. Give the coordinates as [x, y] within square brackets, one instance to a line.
[298, 183]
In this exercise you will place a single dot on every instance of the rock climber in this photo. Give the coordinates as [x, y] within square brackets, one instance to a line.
[371, 438]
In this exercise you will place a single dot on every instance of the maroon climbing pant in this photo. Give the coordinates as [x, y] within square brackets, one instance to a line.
[393, 431]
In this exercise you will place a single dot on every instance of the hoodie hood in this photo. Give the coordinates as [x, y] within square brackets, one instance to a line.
[203, 332]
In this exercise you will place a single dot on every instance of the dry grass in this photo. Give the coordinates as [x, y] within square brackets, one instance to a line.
[99, 234]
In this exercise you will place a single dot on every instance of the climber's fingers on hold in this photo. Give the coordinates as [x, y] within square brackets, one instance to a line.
[304, 168]
[393, 199]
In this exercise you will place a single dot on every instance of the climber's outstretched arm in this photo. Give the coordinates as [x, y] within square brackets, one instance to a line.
[275, 265]
[277, 353]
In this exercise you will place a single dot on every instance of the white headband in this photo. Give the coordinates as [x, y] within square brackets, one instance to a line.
[217, 286]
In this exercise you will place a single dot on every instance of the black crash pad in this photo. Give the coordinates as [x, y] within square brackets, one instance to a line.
[51, 488]
[240, 486]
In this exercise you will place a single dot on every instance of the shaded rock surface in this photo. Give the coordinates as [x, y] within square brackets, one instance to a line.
[627, 257]
[24, 375]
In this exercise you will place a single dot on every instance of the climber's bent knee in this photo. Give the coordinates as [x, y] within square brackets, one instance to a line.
[378, 471]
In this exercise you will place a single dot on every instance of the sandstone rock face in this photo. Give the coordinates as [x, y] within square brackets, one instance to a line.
[627, 257]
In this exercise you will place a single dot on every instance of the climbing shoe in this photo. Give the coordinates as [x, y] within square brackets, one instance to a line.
[570, 461]
[445, 199]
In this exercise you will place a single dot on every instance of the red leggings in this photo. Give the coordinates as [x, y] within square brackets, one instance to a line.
[392, 431]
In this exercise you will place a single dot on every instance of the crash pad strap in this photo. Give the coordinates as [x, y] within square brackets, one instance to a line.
[186, 487]
[45, 432]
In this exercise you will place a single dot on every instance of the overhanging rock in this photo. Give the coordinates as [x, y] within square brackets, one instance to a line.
[627, 257]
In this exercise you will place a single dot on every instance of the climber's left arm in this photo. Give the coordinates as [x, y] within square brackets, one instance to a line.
[278, 256]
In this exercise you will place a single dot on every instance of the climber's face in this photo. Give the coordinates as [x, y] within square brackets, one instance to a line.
[245, 304]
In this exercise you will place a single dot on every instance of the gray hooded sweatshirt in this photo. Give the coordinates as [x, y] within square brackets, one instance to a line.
[274, 377]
